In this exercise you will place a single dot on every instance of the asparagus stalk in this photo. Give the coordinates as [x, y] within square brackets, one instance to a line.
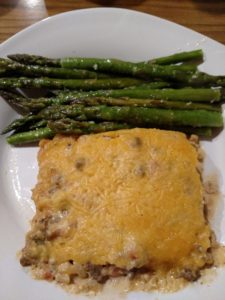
[20, 104]
[14, 98]
[50, 113]
[200, 78]
[178, 57]
[30, 136]
[75, 84]
[20, 123]
[142, 70]
[68, 126]
[10, 67]
[138, 116]
[63, 126]
[28, 105]
[189, 68]
[145, 103]
[24, 105]
[115, 66]
[171, 59]
[105, 65]
[188, 95]
[154, 116]
[35, 60]
[38, 124]
[152, 85]
[145, 85]
[184, 94]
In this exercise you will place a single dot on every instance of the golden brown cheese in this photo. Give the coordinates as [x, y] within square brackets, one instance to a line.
[130, 198]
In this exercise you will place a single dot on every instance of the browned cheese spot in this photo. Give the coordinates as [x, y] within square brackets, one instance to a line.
[140, 170]
[136, 142]
[80, 164]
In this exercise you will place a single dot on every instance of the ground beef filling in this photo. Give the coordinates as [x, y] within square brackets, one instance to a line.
[46, 229]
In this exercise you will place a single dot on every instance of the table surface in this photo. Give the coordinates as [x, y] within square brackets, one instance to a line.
[204, 16]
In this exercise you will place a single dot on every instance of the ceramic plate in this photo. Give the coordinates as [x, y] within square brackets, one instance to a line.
[101, 32]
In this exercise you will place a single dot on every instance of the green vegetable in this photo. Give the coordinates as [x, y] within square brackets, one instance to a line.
[166, 60]
[93, 101]
[179, 57]
[29, 59]
[40, 71]
[184, 94]
[76, 84]
[68, 126]
[30, 136]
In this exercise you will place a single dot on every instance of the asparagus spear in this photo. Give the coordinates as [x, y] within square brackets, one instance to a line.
[145, 85]
[28, 105]
[18, 102]
[138, 116]
[35, 60]
[142, 70]
[20, 123]
[152, 85]
[79, 84]
[189, 68]
[184, 94]
[178, 57]
[24, 105]
[106, 65]
[115, 66]
[38, 124]
[93, 101]
[154, 116]
[72, 127]
[68, 126]
[44, 61]
[43, 102]
[187, 94]
[30, 136]
[63, 126]
[200, 78]
[10, 67]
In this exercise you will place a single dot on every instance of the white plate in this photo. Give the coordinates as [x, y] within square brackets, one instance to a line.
[101, 32]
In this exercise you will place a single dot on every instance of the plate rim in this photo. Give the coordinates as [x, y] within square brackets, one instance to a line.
[52, 18]
[32, 27]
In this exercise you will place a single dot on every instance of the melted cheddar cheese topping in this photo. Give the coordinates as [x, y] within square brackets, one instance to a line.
[130, 198]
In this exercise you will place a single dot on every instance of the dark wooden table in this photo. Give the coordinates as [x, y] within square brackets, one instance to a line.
[204, 16]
